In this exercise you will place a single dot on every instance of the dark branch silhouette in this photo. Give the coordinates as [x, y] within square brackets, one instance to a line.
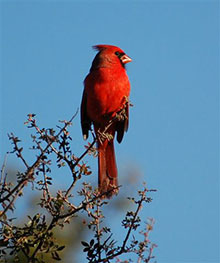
[35, 240]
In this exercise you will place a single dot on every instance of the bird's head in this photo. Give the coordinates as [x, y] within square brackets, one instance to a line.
[109, 56]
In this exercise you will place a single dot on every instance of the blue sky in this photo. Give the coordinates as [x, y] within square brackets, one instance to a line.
[173, 134]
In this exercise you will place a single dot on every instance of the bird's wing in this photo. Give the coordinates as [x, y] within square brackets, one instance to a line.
[122, 125]
[85, 120]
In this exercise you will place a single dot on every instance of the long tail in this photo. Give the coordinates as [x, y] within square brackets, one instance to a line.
[108, 175]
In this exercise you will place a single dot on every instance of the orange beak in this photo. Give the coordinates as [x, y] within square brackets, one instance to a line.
[125, 59]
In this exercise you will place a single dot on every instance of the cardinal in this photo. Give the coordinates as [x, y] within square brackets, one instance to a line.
[105, 105]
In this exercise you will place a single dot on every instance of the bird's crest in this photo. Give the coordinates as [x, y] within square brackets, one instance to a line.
[103, 46]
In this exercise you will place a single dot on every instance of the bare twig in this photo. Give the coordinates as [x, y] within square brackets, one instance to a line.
[76, 163]
[3, 168]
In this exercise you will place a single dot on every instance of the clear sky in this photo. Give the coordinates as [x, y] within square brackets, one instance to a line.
[173, 135]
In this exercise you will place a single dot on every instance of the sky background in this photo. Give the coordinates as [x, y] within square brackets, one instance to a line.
[173, 135]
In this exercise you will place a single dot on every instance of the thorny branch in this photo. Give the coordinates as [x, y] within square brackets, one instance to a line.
[37, 237]
[107, 250]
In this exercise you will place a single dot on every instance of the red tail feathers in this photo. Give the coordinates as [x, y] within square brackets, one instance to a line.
[108, 175]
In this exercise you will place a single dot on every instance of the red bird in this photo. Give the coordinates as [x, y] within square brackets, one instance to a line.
[105, 105]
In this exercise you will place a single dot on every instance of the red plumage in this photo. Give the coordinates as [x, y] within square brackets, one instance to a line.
[105, 105]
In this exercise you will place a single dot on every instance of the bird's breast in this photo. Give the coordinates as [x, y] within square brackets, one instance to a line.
[106, 91]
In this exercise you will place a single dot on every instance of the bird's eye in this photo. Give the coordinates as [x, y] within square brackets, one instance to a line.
[119, 54]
